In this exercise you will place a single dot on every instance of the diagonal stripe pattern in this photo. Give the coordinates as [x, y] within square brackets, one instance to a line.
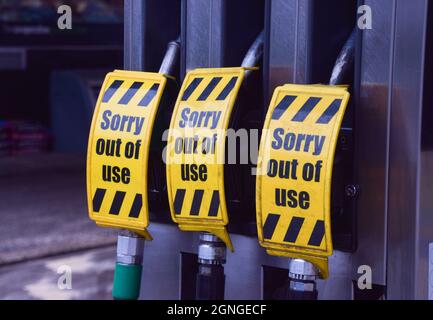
[210, 88]
[306, 109]
[197, 204]
[135, 89]
[116, 203]
[293, 230]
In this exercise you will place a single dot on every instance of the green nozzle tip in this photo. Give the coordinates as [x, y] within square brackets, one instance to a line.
[127, 280]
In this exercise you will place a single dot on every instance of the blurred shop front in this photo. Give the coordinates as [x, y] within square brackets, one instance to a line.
[49, 77]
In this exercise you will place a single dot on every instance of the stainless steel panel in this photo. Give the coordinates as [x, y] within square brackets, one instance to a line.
[218, 33]
[303, 39]
[161, 267]
[134, 13]
[204, 34]
[149, 26]
[289, 42]
[161, 277]
[407, 229]
[424, 234]
[372, 122]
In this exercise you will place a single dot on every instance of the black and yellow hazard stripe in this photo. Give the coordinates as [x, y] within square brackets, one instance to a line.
[112, 89]
[196, 204]
[150, 94]
[209, 88]
[130, 93]
[306, 109]
[293, 230]
[282, 107]
[134, 89]
[317, 234]
[191, 88]
[329, 114]
[214, 204]
[116, 203]
[227, 89]
[178, 201]
[98, 197]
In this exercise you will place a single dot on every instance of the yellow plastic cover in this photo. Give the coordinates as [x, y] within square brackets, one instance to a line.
[118, 150]
[293, 185]
[196, 150]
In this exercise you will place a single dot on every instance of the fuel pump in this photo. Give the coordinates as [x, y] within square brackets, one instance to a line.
[117, 163]
[195, 163]
[293, 184]
[212, 251]
[302, 274]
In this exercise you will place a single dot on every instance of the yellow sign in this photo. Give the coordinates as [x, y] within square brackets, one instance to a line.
[118, 150]
[293, 185]
[196, 150]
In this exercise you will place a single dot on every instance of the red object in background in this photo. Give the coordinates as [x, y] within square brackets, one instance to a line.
[23, 137]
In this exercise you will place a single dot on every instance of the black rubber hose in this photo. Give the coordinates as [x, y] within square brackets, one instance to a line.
[210, 282]
[345, 61]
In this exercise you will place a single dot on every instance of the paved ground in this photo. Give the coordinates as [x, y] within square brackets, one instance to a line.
[43, 213]
[86, 275]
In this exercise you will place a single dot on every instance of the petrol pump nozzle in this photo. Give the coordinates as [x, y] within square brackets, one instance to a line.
[303, 274]
[130, 245]
[212, 250]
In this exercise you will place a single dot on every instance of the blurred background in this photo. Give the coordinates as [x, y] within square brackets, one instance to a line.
[49, 82]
